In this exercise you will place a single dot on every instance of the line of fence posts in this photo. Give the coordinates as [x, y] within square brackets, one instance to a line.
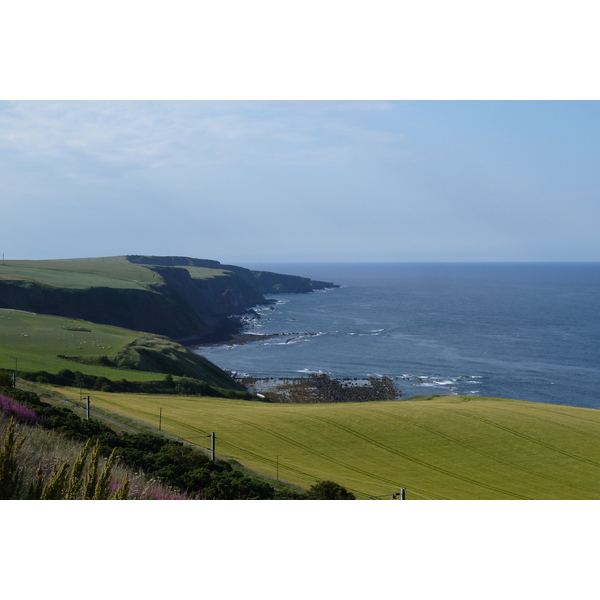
[400, 495]
[212, 436]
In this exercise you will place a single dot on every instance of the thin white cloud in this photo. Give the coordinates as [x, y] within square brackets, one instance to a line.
[159, 133]
[349, 178]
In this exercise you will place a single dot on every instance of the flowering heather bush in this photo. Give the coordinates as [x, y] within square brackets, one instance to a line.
[19, 411]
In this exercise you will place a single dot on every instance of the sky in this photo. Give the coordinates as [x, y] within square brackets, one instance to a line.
[302, 181]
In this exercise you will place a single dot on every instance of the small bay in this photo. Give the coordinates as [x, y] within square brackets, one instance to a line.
[529, 331]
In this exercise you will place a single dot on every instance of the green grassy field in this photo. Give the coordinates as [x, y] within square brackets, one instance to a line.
[204, 273]
[35, 341]
[83, 273]
[450, 447]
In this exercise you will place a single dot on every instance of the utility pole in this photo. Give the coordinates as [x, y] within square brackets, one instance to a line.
[401, 494]
[88, 408]
[212, 446]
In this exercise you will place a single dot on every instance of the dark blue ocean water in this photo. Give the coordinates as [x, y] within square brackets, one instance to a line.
[516, 330]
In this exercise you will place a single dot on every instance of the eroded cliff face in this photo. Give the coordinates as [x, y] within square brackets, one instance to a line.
[274, 283]
[140, 310]
[182, 308]
[212, 300]
[173, 261]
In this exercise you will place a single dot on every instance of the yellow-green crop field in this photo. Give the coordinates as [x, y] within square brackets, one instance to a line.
[452, 447]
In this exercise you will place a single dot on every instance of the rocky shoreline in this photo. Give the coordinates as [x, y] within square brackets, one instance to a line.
[322, 388]
[234, 339]
[237, 339]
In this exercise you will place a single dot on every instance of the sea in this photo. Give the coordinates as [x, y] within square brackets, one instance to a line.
[528, 331]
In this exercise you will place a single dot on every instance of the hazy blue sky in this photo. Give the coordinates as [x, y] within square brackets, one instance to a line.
[302, 181]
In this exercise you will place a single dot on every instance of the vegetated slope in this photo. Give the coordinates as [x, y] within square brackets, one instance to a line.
[80, 273]
[454, 447]
[32, 342]
[183, 298]
[188, 472]
[39, 455]
[162, 355]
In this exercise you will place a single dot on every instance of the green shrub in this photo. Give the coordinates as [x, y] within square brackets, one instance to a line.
[329, 490]
[6, 379]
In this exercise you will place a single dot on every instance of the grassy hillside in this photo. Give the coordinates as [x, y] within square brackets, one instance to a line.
[44, 450]
[162, 355]
[438, 448]
[34, 342]
[81, 273]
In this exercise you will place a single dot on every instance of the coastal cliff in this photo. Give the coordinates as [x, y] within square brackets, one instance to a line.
[232, 290]
[187, 299]
[264, 282]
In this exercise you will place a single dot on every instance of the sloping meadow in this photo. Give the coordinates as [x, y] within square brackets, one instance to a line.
[452, 447]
